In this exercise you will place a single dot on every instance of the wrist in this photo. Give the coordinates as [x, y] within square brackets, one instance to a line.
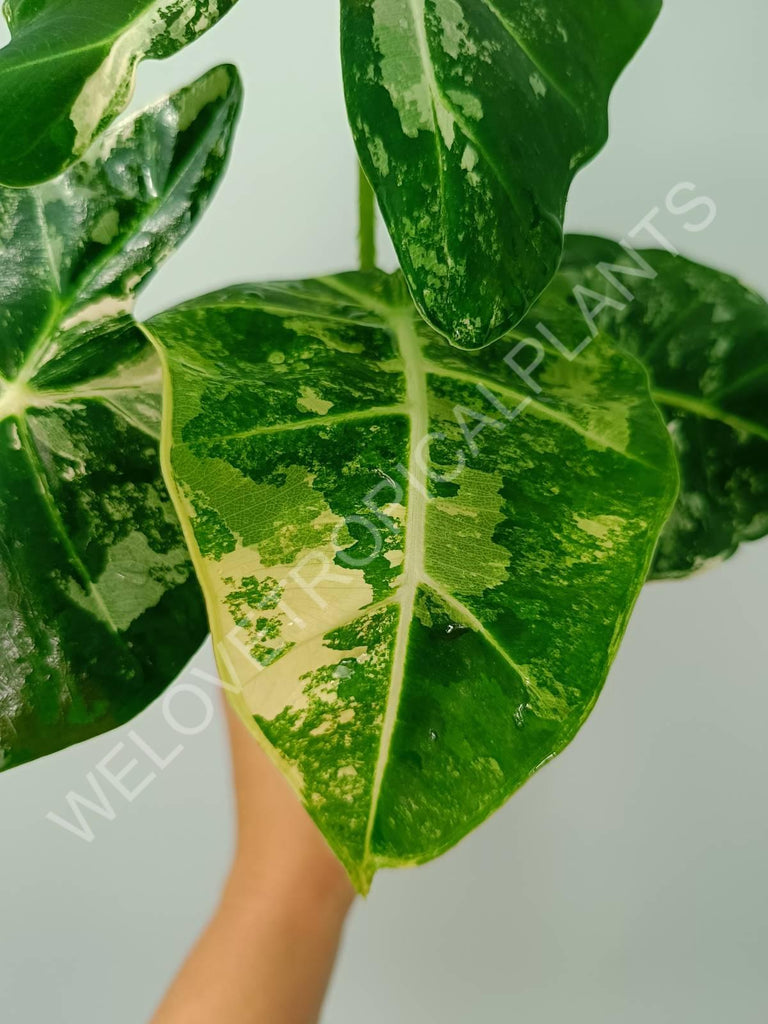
[313, 890]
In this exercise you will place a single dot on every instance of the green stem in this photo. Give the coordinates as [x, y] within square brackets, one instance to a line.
[367, 232]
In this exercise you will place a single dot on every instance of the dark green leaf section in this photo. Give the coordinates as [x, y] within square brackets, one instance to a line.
[99, 608]
[704, 338]
[69, 69]
[417, 569]
[471, 118]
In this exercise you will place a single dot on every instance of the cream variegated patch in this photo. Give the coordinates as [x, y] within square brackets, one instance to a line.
[316, 596]
[134, 579]
[105, 308]
[403, 72]
[111, 84]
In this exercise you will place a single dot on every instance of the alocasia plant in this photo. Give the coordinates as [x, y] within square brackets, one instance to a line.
[418, 562]
[69, 70]
[99, 608]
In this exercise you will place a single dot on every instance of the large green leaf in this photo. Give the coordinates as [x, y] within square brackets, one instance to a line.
[704, 338]
[99, 609]
[415, 594]
[471, 118]
[69, 70]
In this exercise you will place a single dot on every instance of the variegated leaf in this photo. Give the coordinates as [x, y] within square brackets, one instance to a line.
[99, 608]
[471, 118]
[704, 338]
[69, 69]
[418, 569]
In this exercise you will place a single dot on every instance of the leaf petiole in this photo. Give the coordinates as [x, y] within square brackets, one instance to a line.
[366, 235]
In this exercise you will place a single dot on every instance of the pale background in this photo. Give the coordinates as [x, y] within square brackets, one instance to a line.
[627, 882]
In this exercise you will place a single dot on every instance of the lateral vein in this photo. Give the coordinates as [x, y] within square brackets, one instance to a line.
[533, 403]
[523, 47]
[477, 625]
[700, 407]
[316, 422]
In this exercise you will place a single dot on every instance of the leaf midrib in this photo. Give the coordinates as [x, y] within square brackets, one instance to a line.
[37, 469]
[700, 407]
[400, 322]
[416, 400]
[434, 96]
[438, 96]
[33, 28]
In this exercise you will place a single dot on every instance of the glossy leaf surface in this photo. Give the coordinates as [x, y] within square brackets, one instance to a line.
[471, 118]
[704, 339]
[69, 69]
[99, 608]
[417, 570]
